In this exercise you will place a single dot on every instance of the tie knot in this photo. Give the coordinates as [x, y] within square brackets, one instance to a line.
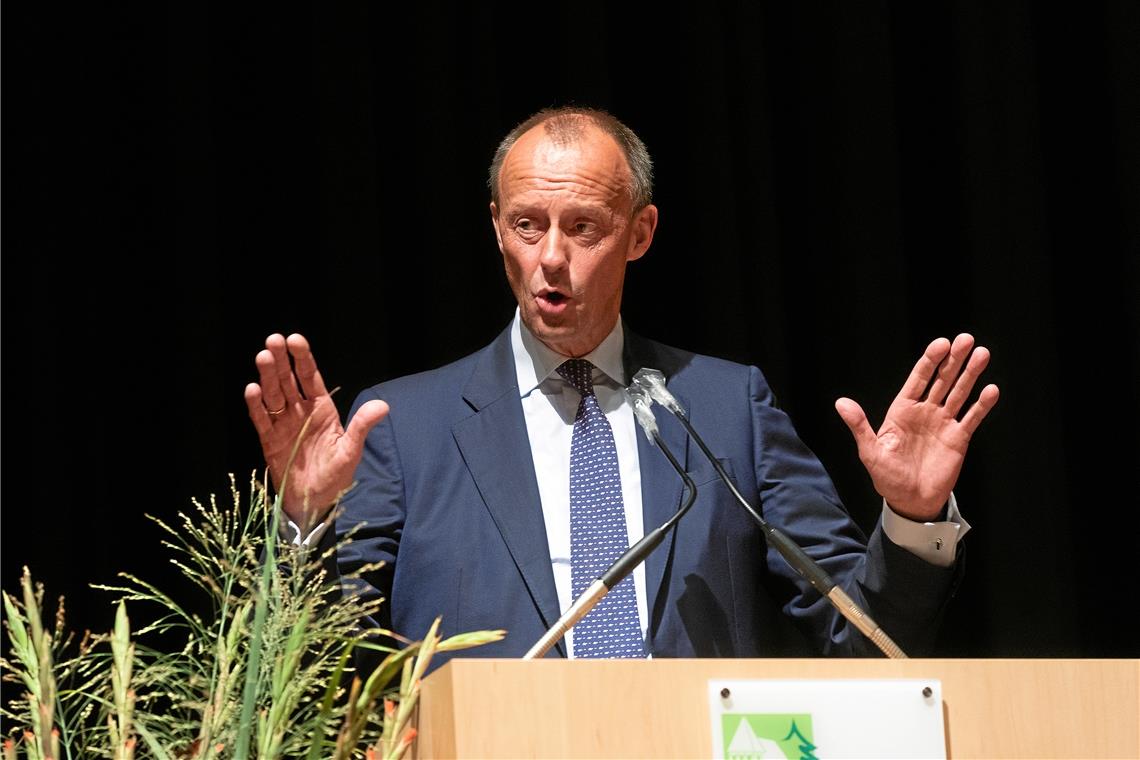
[580, 374]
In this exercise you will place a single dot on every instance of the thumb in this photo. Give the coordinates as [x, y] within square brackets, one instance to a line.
[856, 420]
[366, 418]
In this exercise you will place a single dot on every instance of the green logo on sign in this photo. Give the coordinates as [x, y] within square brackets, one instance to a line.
[767, 735]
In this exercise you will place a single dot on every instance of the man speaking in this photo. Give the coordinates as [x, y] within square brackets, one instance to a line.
[495, 489]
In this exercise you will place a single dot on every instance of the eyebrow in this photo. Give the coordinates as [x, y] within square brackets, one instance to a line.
[519, 206]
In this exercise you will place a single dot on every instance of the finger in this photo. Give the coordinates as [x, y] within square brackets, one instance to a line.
[856, 420]
[915, 385]
[305, 367]
[987, 400]
[979, 360]
[948, 370]
[261, 419]
[285, 379]
[362, 423]
[272, 398]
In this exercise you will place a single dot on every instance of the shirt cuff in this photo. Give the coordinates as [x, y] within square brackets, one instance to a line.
[935, 542]
[290, 532]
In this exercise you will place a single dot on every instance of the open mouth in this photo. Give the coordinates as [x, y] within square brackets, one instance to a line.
[553, 301]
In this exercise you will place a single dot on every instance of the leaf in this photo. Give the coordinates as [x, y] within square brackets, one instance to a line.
[152, 743]
[470, 640]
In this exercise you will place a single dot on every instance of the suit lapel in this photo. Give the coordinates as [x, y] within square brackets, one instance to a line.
[661, 486]
[495, 447]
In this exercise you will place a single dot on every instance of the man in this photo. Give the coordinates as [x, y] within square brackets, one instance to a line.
[479, 483]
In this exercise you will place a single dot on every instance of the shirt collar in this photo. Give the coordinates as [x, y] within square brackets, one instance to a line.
[535, 361]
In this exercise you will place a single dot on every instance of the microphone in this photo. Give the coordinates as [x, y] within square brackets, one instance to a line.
[650, 383]
[634, 555]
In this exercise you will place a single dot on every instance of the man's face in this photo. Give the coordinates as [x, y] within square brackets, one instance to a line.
[564, 226]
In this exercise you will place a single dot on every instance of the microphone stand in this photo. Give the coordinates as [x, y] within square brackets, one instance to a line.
[634, 555]
[651, 383]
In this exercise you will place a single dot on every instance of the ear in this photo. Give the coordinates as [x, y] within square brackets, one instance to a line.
[644, 225]
[495, 224]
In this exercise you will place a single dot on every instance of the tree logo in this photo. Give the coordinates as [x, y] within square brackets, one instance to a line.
[763, 736]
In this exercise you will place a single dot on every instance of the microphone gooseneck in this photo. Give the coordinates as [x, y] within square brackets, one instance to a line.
[634, 555]
[650, 383]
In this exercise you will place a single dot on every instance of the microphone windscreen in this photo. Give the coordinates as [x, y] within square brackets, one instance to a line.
[644, 415]
[653, 382]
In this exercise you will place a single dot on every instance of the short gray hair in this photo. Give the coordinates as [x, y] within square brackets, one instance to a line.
[564, 125]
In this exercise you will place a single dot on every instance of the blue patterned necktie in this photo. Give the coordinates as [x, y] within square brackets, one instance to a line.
[598, 534]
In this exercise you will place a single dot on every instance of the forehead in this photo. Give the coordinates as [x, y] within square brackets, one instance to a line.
[590, 166]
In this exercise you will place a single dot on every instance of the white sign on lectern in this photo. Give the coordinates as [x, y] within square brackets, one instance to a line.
[815, 719]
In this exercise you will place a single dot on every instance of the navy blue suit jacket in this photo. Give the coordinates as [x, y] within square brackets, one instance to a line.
[446, 494]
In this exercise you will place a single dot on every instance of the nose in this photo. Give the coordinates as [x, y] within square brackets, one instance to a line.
[555, 254]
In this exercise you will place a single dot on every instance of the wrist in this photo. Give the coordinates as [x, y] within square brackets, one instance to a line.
[305, 517]
[303, 534]
[919, 514]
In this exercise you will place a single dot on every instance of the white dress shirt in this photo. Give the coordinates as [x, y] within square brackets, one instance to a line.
[549, 406]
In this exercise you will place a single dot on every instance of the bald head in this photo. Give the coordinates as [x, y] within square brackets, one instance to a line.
[569, 125]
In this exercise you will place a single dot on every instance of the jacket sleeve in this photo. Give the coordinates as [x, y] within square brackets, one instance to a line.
[905, 595]
[371, 518]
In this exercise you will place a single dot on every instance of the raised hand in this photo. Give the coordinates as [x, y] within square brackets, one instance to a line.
[915, 457]
[287, 395]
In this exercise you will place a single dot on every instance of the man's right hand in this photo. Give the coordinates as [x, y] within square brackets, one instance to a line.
[288, 394]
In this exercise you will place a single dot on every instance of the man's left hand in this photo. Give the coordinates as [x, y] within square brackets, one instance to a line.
[915, 458]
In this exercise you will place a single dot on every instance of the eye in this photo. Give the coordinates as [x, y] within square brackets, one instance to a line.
[585, 228]
[527, 228]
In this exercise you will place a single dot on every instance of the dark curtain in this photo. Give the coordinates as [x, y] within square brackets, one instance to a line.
[838, 184]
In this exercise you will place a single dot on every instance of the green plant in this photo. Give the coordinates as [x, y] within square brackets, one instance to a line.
[266, 674]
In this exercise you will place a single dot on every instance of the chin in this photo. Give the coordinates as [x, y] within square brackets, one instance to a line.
[556, 338]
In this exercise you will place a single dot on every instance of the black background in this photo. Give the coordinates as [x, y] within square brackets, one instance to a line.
[838, 183]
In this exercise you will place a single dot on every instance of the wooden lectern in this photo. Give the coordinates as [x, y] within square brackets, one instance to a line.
[481, 708]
